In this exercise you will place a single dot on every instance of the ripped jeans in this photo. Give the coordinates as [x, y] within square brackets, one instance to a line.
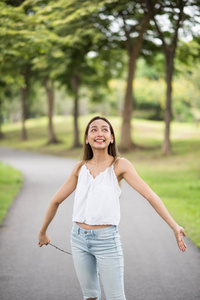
[98, 251]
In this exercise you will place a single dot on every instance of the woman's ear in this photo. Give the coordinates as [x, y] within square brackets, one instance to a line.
[112, 139]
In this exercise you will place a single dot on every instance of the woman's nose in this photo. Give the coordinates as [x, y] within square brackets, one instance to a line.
[99, 133]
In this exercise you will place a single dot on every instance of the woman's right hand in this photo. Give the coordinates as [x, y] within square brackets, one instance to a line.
[43, 239]
[179, 232]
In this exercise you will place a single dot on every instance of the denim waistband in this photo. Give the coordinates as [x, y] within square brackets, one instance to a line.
[80, 230]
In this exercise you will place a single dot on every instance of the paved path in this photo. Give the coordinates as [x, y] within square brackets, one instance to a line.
[154, 267]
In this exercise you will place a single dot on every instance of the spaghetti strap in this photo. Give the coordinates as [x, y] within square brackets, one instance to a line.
[115, 160]
[113, 164]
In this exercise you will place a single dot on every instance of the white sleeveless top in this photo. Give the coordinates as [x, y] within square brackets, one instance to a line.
[96, 199]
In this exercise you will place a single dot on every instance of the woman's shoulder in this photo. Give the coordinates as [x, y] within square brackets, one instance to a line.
[121, 161]
[77, 167]
[121, 165]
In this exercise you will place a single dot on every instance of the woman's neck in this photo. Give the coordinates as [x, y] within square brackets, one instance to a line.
[101, 158]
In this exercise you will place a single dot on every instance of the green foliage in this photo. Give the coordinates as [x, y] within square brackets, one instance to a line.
[150, 94]
[59, 39]
[153, 71]
[189, 52]
[150, 90]
[10, 184]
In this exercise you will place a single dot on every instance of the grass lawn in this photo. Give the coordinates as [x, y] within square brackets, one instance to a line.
[10, 184]
[176, 179]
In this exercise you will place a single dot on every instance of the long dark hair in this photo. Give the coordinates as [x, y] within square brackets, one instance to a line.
[87, 150]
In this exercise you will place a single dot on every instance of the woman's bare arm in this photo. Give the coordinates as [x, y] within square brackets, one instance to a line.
[64, 191]
[129, 173]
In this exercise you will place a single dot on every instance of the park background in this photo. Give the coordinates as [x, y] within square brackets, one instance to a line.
[135, 62]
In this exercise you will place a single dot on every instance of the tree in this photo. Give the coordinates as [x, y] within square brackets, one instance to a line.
[174, 11]
[2, 92]
[49, 87]
[76, 36]
[131, 19]
[78, 24]
[12, 38]
[21, 42]
[188, 62]
[24, 90]
[42, 41]
[15, 51]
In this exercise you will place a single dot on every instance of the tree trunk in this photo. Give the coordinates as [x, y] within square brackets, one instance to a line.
[24, 92]
[24, 99]
[169, 61]
[126, 141]
[133, 51]
[169, 51]
[49, 87]
[75, 86]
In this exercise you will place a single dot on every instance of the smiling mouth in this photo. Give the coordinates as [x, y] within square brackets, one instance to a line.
[99, 141]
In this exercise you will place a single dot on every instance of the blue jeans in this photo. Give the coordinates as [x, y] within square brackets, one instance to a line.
[100, 252]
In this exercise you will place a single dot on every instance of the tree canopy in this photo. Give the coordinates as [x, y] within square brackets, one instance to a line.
[89, 44]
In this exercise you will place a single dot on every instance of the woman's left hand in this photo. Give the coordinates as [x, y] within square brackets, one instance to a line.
[43, 239]
[179, 233]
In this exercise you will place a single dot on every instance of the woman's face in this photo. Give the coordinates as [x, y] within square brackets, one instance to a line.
[99, 135]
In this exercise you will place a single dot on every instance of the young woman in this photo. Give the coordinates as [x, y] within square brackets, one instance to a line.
[95, 240]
